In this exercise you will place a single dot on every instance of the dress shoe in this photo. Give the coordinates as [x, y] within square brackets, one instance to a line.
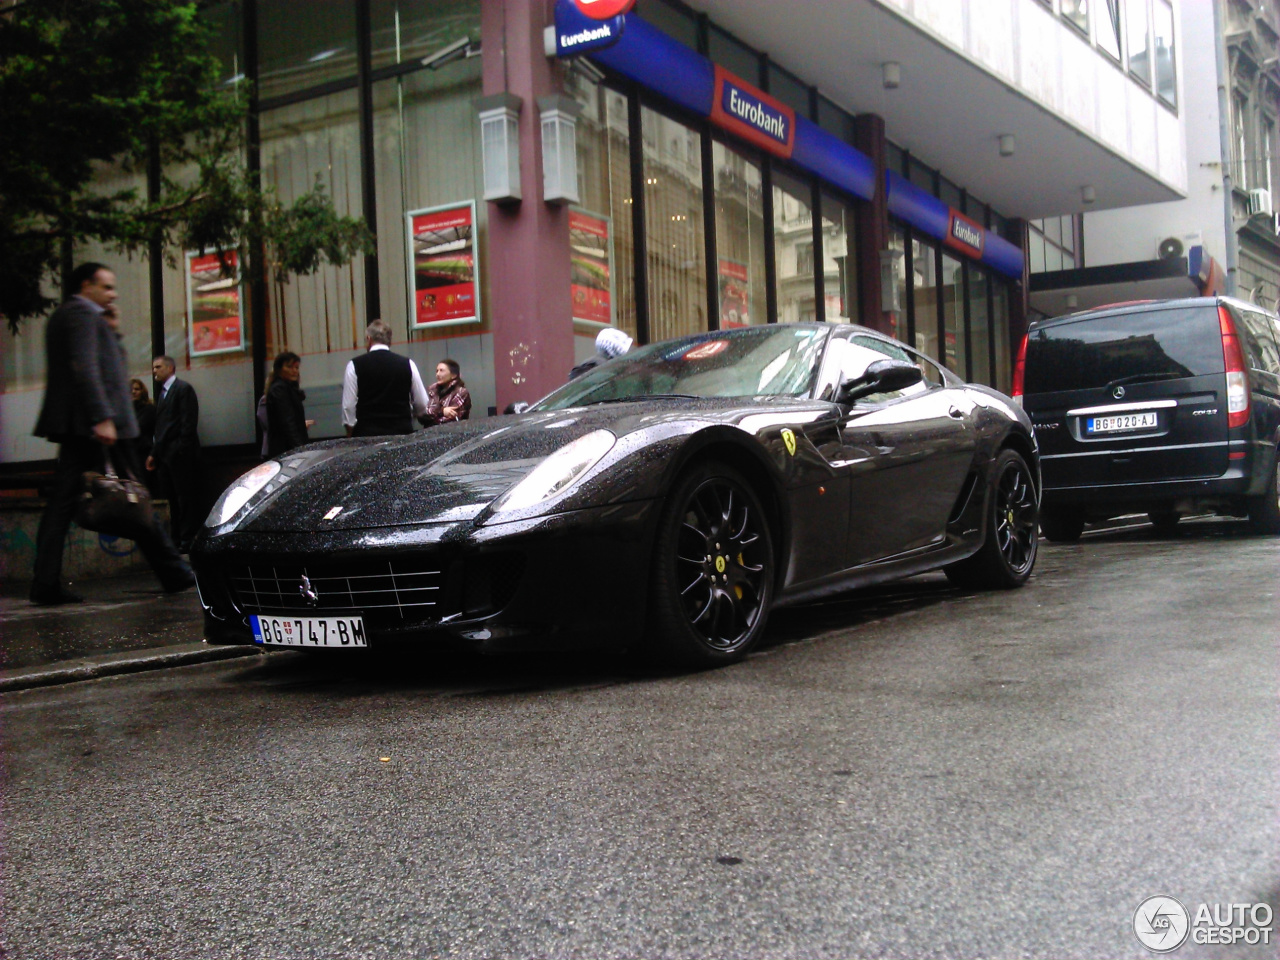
[44, 597]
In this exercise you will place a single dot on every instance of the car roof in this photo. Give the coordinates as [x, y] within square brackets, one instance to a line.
[1146, 306]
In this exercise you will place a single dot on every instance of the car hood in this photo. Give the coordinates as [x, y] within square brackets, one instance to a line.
[449, 473]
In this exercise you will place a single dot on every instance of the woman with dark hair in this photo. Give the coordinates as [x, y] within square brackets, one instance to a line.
[448, 399]
[145, 411]
[287, 421]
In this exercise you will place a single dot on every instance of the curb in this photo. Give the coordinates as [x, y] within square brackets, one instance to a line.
[116, 664]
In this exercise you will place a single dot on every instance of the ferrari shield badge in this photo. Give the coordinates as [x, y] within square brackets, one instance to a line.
[789, 438]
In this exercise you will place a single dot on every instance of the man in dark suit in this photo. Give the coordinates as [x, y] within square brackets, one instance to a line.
[381, 391]
[175, 451]
[87, 411]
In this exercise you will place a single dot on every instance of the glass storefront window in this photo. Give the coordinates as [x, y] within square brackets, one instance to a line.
[673, 227]
[672, 21]
[839, 261]
[838, 123]
[784, 86]
[1000, 330]
[1137, 26]
[426, 155]
[1076, 13]
[734, 57]
[1166, 73]
[979, 326]
[604, 187]
[303, 43]
[226, 38]
[793, 249]
[924, 266]
[898, 317]
[953, 314]
[739, 238]
[409, 29]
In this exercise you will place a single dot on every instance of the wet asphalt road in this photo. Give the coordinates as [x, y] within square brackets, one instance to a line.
[909, 772]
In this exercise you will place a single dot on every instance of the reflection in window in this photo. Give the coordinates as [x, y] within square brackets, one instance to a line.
[1239, 110]
[1109, 28]
[408, 29]
[925, 268]
[303, 43]
[793, 249]
[979, 326]
[1138, 26]
[1000, 330]
[673, 227]
[1166, 75]
[739, 238]
[226, 36]
[603, 254]
[953, 314]
[839, 262]
[1076, 13]
[897, 316]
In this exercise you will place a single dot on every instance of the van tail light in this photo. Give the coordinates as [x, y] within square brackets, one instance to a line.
[1020, 372]
[1237, 372]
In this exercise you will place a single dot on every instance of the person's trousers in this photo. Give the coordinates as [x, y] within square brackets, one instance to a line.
[182, 483]
[75, 456]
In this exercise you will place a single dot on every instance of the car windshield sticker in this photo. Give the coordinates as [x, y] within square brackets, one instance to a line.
[789, 438]
[705, 351]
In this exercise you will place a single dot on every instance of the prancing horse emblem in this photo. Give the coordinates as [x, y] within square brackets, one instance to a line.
[308, 591]
[789, 439]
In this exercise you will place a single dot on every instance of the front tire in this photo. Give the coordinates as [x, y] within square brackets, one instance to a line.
[1264, 511]
[713, 570]
[1008, 554]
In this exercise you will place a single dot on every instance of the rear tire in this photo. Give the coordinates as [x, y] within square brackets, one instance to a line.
[713, 570]
[1165, 521]
[1264, 511]
[1061, 526]
[1008, 554]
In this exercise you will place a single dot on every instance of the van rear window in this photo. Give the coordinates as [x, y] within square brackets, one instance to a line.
[1098, 351]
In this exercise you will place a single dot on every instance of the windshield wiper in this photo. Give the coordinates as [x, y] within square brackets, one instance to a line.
[645, 396]
[1144, 377]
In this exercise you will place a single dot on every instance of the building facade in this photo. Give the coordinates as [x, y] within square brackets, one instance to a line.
[710, 164]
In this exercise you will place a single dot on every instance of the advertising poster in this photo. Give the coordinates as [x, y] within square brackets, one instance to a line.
[213, 305]
[591, 254]
[735, 295]
[443, 281]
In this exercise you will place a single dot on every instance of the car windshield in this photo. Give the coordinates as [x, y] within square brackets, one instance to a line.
[772, 361]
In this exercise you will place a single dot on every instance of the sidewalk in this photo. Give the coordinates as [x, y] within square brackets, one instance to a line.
[126, 624]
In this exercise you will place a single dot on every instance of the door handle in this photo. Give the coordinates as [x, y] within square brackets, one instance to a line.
[955, 413]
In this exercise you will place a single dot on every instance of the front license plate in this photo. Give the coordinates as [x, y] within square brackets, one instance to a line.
[1122, 422]
[309, 631]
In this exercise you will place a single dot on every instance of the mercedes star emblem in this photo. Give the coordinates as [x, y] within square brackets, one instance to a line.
[308, 591]
[1117, 392]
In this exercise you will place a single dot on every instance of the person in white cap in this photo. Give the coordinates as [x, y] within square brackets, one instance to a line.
[610, 342]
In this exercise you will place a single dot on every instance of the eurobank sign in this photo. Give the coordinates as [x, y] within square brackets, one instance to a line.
[630, 48]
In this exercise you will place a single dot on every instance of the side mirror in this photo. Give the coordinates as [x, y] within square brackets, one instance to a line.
[518, 407]
[882, 376]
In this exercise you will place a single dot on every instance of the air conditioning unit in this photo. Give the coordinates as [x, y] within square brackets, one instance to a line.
[1260, 203]
[1171, 248]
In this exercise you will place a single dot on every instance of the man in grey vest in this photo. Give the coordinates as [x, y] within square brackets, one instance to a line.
[381, 391]
[87, 411]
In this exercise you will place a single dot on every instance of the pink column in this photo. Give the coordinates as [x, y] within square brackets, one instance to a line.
[528, 247]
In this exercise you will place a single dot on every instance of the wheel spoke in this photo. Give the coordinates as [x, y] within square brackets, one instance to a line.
[702, 578]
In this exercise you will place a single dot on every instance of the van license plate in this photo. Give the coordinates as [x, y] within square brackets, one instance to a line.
[1122, 422]
[309, 631]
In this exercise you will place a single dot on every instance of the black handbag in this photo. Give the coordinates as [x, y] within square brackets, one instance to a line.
[114, 505]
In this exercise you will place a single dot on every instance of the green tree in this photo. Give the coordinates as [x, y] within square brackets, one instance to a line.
[90, 85]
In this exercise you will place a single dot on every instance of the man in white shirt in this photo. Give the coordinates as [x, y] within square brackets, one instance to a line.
[381, 391]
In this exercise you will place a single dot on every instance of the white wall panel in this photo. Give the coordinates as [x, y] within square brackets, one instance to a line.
[991, 36]
[1040, 69]
[1113, 108]
[943, 17]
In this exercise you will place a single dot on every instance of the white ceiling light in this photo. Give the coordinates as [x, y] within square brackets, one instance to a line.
[1088, 194]
[1006, 144]
[892, 75]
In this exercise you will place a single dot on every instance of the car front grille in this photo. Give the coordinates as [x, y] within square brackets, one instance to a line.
[390, 590]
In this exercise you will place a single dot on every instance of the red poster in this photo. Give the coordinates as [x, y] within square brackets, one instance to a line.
[213, 304]
[591, 283]
[735, 295]
[444, 265]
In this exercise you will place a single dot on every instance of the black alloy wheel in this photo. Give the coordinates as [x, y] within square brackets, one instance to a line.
[713, 569]
[1264, 511]
[1008, 555]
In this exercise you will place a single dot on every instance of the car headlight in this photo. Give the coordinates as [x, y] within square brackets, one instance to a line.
[235, 497]
[558, 472]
